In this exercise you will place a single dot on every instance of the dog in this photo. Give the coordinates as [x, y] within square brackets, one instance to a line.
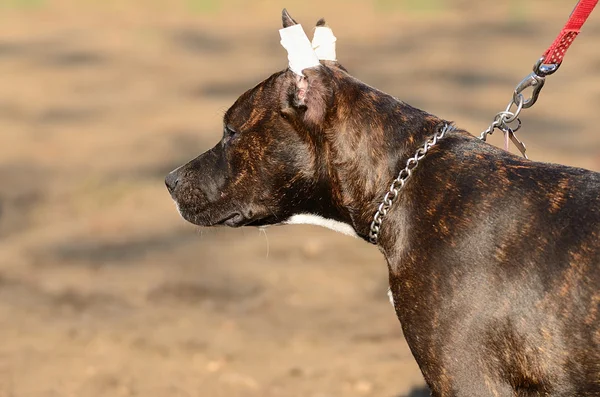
[494, 260]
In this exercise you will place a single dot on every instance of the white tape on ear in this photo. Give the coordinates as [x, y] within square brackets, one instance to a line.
[324, 43]
[299, 49]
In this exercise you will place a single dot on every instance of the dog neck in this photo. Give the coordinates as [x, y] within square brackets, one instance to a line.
[374, 137]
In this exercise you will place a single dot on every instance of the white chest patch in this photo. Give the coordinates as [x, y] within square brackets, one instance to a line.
[310, 219]
[391, 297]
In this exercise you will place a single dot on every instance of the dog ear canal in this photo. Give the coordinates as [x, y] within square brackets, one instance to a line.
[311, 94]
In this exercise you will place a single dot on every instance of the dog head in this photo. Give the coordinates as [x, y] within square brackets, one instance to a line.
[303, 146]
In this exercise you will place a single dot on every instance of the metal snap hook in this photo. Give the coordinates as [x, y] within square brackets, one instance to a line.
[533, 80]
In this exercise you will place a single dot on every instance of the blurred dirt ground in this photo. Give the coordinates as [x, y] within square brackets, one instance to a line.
[105, 291]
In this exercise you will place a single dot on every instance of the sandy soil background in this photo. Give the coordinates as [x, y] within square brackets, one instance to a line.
[105, 291]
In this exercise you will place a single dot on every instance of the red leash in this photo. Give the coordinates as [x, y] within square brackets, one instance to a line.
[556, 52]
[508, 121]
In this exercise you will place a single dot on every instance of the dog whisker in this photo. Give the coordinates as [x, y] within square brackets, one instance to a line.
[263, 230]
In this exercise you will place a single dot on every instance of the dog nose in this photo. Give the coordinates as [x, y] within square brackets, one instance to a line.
[171, 181]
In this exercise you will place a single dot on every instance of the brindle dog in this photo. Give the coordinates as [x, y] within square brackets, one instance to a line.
[493, 259]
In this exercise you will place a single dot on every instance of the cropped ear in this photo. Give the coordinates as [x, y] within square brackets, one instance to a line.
[310, 97]
[309, 84]
[324, 43]
[287, 19]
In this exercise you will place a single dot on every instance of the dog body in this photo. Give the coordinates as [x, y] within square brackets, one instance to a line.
[494, 272]
[493, 259]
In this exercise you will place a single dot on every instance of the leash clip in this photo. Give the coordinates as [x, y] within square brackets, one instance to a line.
[533, 80]
[502, 120]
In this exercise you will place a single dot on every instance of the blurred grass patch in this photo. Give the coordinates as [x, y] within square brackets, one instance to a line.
[26, 4]
[518, 11]
[413, 6]
[203, 6]
[96, 192]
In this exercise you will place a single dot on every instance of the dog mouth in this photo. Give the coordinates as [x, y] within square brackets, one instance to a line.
[237, 219]
[234, 219]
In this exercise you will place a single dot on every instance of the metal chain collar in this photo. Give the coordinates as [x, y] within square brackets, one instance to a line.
[502, 121]
[398, 183]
